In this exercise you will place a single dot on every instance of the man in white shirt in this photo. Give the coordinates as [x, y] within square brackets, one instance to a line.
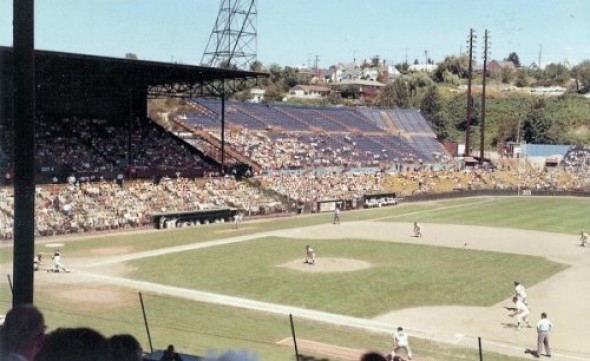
[544, 327]
[400, 340]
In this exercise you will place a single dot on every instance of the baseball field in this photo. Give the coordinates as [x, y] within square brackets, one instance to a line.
[213, 288]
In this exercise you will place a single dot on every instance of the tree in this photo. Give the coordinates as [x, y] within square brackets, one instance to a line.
[506, 75]
[581, 73]
[537, 126]
[522, 78]
[556, 74]
[513, 57]
[402, 67]
[396, 94]
[431, 107]
[227, 64]
[256, 66]
[375, 60]
[453, 64]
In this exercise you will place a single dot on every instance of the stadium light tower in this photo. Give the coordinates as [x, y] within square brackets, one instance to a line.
[232, 43]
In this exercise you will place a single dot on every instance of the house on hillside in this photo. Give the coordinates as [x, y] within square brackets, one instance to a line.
[256, 95]
[309, 92]
[496, 66]
[342, 71]
[357, 88]
[428, 68]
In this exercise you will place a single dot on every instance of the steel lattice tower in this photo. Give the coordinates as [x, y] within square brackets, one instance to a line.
[232, 42]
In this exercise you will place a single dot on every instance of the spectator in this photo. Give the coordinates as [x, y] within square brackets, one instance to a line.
[74, 344]
[23, 333]
[372, 356]
[170, 354]
[125, 348]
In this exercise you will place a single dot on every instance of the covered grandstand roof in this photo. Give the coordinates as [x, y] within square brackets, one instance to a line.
[91, 70]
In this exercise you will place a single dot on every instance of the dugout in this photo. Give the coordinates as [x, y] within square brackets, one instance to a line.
[331, 204]
[381, 199]
[176, 219]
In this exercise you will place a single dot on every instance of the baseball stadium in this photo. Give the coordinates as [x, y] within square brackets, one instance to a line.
[157, 200]
[214, 288]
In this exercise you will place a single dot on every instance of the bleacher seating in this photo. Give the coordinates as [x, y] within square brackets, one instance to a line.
[372, 144]
[409, 121]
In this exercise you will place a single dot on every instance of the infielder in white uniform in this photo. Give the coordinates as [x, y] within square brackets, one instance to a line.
[520, 292]
[584, 238]
[400, 340]
[521, 313]
[417, 230]
[309, 255]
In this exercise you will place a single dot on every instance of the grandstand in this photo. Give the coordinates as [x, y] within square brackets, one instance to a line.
[356, 137]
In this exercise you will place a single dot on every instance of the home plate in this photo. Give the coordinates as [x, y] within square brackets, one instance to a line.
[54, 245]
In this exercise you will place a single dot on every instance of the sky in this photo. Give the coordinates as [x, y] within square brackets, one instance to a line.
[295, 32]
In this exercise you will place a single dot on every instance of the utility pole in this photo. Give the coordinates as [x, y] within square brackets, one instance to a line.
[482, 127]
[316, 66]
[540, 51]
[469, 99]
[406, 56]
[425, 56]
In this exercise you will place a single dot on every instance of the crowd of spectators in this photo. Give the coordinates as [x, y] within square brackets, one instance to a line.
[100, 206]
[96, 147]
[577, 159]
[301, 168]
[293, 150]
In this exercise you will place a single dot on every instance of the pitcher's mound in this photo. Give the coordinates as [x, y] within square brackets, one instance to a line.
[327, 265]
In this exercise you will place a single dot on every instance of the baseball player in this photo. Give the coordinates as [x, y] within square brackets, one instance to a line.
[584, 238]
[522, 312]
[336, 215]
[57, 265]
[309, 255]
[236, 220]
[400, 340]
[37, 261]
[417, 230]
[520, 292]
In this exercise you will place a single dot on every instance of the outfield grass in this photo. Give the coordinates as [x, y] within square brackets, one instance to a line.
[552, 214]
[196, 327]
